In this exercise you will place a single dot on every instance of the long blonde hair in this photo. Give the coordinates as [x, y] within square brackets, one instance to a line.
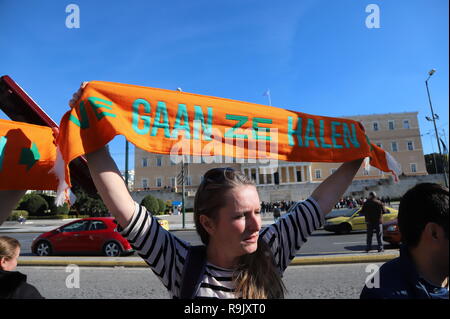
[256, 276]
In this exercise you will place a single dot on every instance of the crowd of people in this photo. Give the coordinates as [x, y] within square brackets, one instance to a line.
[269, 207]
[351, 202]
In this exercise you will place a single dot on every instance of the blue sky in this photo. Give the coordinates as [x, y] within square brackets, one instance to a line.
[316, 57]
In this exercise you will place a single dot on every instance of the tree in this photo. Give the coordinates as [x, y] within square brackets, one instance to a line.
[435, 163]
[34, 204]
[87, 204]
[151, 203]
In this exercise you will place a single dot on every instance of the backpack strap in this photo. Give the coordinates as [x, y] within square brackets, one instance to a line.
[193, 269]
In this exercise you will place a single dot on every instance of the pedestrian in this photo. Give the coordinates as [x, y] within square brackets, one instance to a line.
[13, 284]
[373, 211]
[276, 213]
[421, 270]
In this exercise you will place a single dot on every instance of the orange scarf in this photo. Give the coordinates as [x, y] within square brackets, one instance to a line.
[172, 122]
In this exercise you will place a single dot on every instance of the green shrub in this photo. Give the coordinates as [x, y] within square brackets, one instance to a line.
[162, 206]
[34, 204]
[62, 210]
[51, 203]
[151, 203]
[16, 213]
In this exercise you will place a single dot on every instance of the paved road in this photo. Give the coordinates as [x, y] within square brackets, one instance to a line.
[302, 282]
[320, 242]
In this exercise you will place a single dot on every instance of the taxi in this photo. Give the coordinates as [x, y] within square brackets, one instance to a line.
[343, 221]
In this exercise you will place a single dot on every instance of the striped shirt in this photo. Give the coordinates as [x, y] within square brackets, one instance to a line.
[165, 253]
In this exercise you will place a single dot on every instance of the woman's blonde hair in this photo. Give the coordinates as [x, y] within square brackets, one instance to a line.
[8, 247]
[256, 276]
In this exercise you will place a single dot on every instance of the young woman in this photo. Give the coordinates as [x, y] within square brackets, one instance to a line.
[13, 284]
[242, 261]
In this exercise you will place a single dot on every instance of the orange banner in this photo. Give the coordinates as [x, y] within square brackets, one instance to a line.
[27, 155]
[172, 122]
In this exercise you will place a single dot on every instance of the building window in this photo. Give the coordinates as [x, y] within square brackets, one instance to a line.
[333, 170]
[189, 181]
[406, 124]
[366, 172]
[144, 162]
[391, 125]
[159, 161]
[410, 145]
[158, 182]
[375, 126]
[394, 147]
[413, 167]
[318, 173]
[144, 183]
[173, 181]
[379, 145]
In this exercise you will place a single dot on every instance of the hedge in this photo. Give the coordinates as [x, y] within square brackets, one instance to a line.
[16, 213]
[60, 216]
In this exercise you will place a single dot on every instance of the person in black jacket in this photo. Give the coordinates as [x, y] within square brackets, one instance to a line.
[373, 210]
[13, 284]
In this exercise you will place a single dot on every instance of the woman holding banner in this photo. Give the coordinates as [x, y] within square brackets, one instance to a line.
[238, 260]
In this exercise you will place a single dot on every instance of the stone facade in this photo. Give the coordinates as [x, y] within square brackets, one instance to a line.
[271, 193]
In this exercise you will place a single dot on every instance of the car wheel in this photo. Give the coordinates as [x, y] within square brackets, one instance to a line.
[43, 248]
[112, 249]
[345, 228]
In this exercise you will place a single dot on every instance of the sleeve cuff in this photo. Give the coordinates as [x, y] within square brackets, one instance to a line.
[125, 231]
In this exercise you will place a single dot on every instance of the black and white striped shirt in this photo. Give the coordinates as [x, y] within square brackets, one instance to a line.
[165, 253]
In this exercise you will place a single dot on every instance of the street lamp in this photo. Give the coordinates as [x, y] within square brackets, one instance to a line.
[433, 118]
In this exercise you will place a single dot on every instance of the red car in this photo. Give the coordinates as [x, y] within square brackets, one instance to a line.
[391, 233]
[88, 235]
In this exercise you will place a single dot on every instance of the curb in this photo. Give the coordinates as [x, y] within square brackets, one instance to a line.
[298, 261]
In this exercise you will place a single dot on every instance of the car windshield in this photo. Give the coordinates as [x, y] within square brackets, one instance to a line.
[340, 213]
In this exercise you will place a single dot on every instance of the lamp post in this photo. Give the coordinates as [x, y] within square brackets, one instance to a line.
[434, 117]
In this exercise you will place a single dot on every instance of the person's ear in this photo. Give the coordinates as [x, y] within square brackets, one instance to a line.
[434, 231]
[3, 261]
[207, 224]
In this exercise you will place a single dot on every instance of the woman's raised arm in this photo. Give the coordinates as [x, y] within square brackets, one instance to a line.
[8, 201]
[331, 189]
[110, 185]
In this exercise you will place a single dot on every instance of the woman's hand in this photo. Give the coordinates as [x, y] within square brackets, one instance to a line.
[76, 96]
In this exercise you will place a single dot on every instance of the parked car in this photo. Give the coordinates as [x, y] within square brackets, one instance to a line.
[343, 221]
[89, 235]
[391, 233]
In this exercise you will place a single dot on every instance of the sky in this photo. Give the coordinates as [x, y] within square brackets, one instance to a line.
[317, 57]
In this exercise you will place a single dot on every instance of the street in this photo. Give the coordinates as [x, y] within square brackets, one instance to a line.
[320, 242]
[343, 281]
